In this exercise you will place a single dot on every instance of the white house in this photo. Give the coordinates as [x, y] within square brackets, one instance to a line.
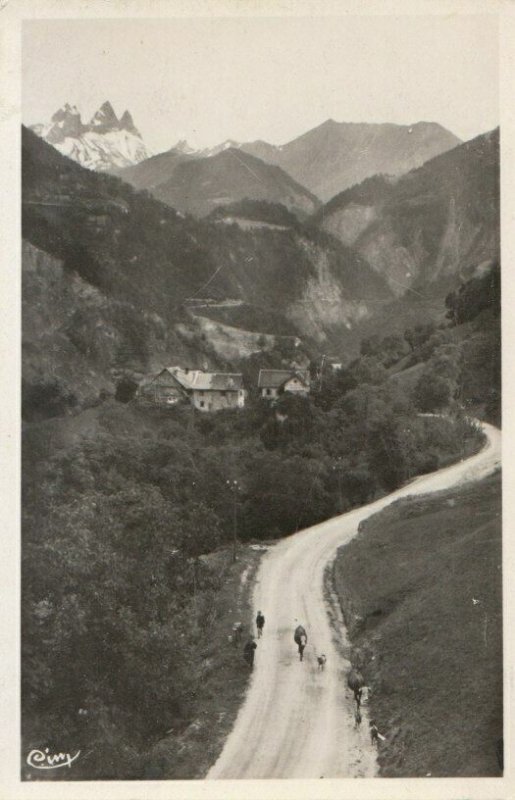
[273, 382]
[207, 391]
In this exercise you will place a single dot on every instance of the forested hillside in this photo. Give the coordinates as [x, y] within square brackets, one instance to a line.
[121, 501]
[125, 505]
[129, 265]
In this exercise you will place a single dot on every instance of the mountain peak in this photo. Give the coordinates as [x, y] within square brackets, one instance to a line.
[104, 143]
[65, 122]
[105, 117]
[127, 123]
[183, 147]
[65, 111]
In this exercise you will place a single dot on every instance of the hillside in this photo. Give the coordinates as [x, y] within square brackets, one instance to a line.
[430, 228]
[126, 495]
[421, 592]
[199, 185]
[118, 271]
[336, 155]
[127, 528]
[152, 171]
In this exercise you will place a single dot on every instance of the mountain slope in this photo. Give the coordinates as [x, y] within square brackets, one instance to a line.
[105, 143]
[151, 172]
[199, 185]
[336, 155]
[431, 227]
[326, 160]
[130, 267]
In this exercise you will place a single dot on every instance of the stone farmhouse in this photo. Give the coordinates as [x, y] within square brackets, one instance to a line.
[207, 391]
[273, 382]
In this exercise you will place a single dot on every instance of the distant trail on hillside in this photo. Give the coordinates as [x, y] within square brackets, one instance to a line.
[297, 721]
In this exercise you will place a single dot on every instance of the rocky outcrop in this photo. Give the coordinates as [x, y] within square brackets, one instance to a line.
[103, 144]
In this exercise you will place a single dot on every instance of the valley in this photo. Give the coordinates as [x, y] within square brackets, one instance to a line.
[357, 266]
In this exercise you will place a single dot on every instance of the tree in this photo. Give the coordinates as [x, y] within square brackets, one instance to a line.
[369, 369]
[432, 392]
[200, 531]
[419, 334]
[475, 295]
[386, 455]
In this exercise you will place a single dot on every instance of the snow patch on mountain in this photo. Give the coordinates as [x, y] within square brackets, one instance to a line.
[104, 143]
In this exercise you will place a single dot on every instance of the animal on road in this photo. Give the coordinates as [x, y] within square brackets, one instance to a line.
[375, 736]
[356, 681]
[321, 661]
[374, 733]
[301, 639]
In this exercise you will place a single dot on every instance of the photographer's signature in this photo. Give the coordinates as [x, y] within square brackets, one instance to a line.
[44, 759]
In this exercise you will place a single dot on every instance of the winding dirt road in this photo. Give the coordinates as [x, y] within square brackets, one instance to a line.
[297, 722]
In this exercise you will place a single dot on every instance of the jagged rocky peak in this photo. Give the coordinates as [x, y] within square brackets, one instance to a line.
[65, 112]
[127, 123]
[104, 143]
[105, 118]
[65, 122]
[182, 146]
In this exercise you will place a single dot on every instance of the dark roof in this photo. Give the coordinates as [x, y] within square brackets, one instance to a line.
[275, 378]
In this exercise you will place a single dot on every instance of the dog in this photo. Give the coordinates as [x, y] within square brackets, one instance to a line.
[321, 661]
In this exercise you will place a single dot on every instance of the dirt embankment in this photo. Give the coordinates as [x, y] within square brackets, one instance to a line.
[421, 592]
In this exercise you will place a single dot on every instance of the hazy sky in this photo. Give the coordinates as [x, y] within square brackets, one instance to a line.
[207, 80]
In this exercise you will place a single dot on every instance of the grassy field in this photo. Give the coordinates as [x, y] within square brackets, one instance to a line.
[421, 592]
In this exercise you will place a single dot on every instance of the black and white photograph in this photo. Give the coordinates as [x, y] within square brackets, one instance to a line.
[261, 503]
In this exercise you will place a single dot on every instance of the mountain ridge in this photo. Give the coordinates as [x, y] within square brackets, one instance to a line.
[102, 144]
[427, 228]
[335, 155]
[198, 185]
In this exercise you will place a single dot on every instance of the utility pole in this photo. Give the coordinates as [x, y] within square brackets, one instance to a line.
[338, 469]
[322, 370]
[233, 487]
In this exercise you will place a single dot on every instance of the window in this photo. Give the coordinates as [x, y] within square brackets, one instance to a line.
[269, 391]
[201, 404]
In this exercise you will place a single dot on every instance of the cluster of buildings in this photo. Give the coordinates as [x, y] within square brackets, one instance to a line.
[215, 391]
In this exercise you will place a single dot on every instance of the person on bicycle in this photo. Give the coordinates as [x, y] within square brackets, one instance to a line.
[260, 623]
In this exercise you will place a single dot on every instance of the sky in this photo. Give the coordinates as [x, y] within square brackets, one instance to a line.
[211, 79]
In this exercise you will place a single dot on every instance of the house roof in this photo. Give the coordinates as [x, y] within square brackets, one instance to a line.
[275, 378]
[207, 381]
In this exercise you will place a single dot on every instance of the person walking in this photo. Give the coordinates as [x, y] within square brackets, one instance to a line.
[260, 624]
[249, 652]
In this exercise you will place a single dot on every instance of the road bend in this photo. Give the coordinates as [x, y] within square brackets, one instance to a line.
[297, 721]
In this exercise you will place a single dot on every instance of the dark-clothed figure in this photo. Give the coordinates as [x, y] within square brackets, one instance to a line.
[301, 639]
[260, 624]
[248, 652]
